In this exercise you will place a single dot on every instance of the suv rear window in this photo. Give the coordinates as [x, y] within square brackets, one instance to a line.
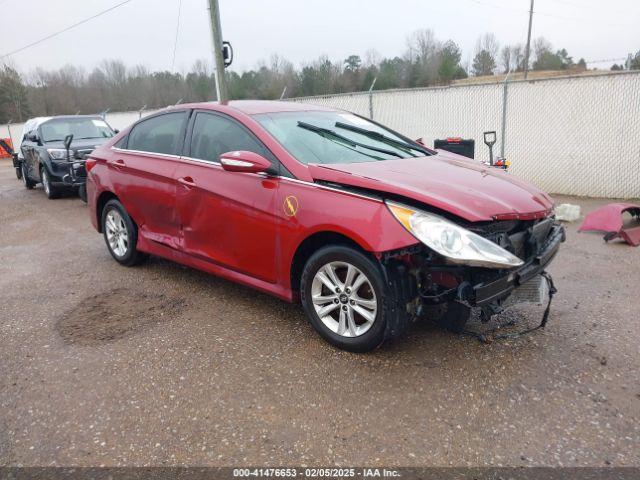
[159, 134]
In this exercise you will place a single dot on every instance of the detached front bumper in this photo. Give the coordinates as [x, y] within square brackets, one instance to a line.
[485, 293]
[69, 174]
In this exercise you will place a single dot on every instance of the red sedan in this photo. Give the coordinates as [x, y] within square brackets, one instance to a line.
[368, 229]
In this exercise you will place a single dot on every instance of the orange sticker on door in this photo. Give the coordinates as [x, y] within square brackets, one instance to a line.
[290, 205]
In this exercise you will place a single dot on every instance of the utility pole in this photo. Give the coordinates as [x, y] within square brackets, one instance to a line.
[528, 49]
[218, 56]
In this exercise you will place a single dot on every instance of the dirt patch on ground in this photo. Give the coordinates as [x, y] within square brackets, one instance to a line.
[115, 314]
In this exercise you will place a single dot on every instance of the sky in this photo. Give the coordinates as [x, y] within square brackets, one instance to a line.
[144, 31]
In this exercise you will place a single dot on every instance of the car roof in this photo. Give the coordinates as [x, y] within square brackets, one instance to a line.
[35, 123]
[253, 107]
[62, 117]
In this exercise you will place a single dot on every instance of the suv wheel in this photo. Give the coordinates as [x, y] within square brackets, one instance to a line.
[28, 183]
[120, 234]
[51, 191]
[345, 297]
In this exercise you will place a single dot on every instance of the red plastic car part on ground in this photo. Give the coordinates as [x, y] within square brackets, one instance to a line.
[608, 219]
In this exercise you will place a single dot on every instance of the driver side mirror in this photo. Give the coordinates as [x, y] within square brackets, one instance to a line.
[244, 161]
[32, 137]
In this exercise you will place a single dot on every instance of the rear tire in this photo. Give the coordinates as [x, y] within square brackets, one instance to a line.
[346, 299]
[28, 183]
[18, 173]
[82, 193]
[121, 234]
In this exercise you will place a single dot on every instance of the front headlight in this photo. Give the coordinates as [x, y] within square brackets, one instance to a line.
[57, 153]
[457, 244]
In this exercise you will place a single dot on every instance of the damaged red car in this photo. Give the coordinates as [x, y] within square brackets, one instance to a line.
[368, 229]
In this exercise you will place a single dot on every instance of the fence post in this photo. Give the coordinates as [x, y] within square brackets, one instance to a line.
[371, 98]
[141, 110]
[10, 136]
[505, 92]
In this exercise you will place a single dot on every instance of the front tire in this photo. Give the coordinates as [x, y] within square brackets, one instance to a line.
[51, 191]
[120, 234]
[345, 297]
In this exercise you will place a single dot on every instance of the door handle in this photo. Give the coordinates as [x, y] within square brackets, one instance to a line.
[187, 181]
[116, 163]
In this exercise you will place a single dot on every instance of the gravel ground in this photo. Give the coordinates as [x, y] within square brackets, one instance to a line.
[164, 365]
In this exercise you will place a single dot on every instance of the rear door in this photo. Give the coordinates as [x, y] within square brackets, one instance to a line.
[142, 171]
[226, 217]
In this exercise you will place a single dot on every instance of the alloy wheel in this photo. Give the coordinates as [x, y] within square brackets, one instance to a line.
[45, 182]
[344, 299]
[117, 233]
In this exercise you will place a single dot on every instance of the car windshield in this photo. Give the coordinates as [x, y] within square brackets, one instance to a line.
[81, 128]
[336, 137]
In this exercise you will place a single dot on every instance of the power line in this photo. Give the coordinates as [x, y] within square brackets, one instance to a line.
[64, 30]
[175, 43]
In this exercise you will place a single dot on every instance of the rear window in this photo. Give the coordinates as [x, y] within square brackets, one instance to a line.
[159, 134]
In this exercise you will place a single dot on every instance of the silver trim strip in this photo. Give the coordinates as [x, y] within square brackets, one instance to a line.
[142, 152]
[204, 162]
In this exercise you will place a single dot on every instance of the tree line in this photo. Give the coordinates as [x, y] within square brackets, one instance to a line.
[427, 61]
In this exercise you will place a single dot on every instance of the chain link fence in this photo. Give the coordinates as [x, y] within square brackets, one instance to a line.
[575, 135]
[568, 135]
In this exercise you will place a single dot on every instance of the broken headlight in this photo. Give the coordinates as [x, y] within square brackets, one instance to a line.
[458, 245]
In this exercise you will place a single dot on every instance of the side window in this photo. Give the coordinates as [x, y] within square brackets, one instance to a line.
[160, 134]
[213, 135]
[121, 143]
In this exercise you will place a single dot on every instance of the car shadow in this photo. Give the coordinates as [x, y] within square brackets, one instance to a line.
[425, 344]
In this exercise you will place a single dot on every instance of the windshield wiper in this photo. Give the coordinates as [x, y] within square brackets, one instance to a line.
[352, 143]
[380, 137]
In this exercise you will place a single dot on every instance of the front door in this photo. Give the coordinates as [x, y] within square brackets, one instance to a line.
[226, 217]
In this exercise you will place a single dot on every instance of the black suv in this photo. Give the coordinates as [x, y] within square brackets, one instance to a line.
[54, 151]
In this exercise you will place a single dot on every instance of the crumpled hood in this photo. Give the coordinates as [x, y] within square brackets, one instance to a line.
[446, 181]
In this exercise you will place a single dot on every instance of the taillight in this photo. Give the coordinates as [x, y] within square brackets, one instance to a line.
[90, 163]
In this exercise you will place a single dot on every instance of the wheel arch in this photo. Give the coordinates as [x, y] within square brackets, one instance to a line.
[313, 243]
[43, 163]
[103, 198]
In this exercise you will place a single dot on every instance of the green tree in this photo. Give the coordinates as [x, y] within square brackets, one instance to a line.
[352, 63]
[483, 64]
[635, 62]
[13, 96]
[450, 56]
